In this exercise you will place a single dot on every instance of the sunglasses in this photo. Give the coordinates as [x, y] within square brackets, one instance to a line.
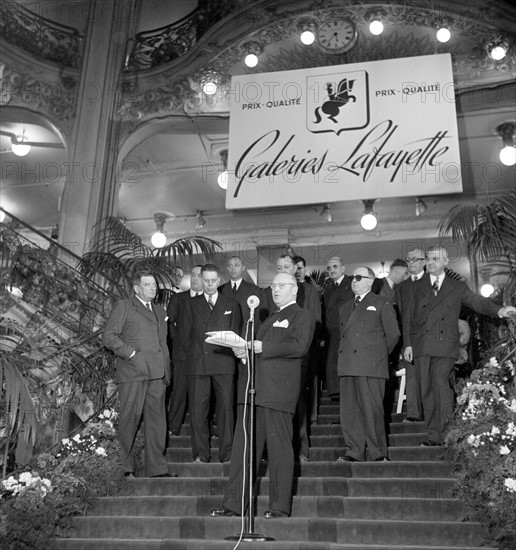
[358, 278]
[413, 260]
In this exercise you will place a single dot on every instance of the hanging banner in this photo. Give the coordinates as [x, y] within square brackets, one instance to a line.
[345, 132]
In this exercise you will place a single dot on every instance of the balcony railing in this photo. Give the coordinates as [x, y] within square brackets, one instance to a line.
[41, 37]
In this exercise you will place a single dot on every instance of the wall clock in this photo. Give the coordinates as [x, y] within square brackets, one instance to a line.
[336, 35]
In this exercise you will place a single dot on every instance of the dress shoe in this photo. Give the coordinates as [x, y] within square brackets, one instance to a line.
[226, 460]
[429, 444]
[173, 434]
[223, 512]
[166, 475]
[270, 514]
[382, 459]
[200, 459]
[303, 458]
[346, 458]
[411, 419]
[129, 475]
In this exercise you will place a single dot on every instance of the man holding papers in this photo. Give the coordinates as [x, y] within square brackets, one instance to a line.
[281, 342]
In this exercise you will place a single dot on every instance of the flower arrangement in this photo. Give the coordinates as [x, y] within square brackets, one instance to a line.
[482, 445]
[40, 502]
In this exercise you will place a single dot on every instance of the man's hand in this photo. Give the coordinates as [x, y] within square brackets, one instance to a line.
[508, 311]
[407, 354]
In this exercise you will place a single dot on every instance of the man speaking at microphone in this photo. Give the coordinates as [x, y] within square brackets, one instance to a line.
[281, 342]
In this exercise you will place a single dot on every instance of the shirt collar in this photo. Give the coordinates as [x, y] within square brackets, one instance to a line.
[339, 280]
[237, 283]
[286, 305]
[213, 297]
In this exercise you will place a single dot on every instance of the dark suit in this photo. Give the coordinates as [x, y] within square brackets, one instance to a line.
[179, 397]
[333, 298]
[210, 365]
[369, 333]
[413, 387]
[243, 292]
[142, 379]
[285, 338]
[432, 332]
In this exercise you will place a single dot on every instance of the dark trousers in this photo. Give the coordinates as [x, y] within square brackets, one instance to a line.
[437, 394]
[223, 387]
[362, 416]
[303, 409]
[275, 428]
[178, 397]
[143, 398]
[332, 357]
[413, 391]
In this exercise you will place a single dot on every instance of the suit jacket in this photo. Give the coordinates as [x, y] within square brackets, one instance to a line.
[203, 358]
[244, 291]
[431, 322]
[382, 288]
[333, 299]
[286, 338]
[369, 333]
[132, 327]
[176, 316]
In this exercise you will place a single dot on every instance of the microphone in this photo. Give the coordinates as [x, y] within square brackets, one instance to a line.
[253, 302]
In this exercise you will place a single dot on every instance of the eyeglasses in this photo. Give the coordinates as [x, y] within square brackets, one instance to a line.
[281, 286]
[358, 278]
[413, 260]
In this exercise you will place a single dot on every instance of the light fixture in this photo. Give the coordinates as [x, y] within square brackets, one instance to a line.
[201, 222]
[210, 81]
[421, 206]
[222, 178]
[307, 38]
[375, 18]
[159, 239]
[252, 50]
[326, 213]
[443, 24]
[506, 131]
[306, 27]
[496, 46]
[19, 147]
[368, 220]
[487, 290]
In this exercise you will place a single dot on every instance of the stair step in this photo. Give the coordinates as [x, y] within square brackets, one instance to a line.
[409, 488]
[203, 544]
[350, 531]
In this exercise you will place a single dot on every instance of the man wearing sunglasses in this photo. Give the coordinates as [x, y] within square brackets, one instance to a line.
[369, 331]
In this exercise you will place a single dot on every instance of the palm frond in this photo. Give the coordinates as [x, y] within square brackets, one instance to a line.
[17, 402]
[111, 234]
[188, 246]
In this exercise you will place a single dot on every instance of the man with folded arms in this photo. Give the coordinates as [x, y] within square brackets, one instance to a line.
[369, 331]
[281, 342]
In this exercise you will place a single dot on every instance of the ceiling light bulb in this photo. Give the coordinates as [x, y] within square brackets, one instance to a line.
[376, 27]
[443, 35]
[19, 148]
[498, 53]
[487, 290]
[222, 179]
[158, 239]
[307, 37]
[508, 155]
[209, 88]
[368, 222]
[251, 60]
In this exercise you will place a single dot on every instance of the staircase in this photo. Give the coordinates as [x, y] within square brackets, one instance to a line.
[400, 505]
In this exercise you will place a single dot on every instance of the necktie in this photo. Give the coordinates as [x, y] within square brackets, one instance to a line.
[234, 288]
[148, 306]
[414, 278]
[357, 301]
[210, 302]
[435, 286]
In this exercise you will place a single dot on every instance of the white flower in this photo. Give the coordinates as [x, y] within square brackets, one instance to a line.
[511, 429]
[26, 477]
[474, 440]
[510, 484]
[495, 430]
[10, 483]
[504, 450]
[77, 438]
[65, 441]
[511, 406]
[101, 451]
[493, 362]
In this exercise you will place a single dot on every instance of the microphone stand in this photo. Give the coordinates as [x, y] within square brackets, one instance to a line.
[250, 535]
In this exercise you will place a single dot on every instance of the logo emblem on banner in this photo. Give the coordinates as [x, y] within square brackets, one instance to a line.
[337, 102]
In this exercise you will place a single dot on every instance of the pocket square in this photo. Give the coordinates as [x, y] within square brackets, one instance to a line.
[371, 308]
[228, 312]
[281, 324]
[166, 318]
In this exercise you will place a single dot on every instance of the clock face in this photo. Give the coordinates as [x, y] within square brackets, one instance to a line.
[336, 35]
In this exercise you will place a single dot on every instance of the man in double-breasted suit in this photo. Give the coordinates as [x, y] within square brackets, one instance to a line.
[210, 366]
[136, 332]
[431, 336]
[281, 342]
[239, 289]
[176, 314]
[336, 293]
[369, 332]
